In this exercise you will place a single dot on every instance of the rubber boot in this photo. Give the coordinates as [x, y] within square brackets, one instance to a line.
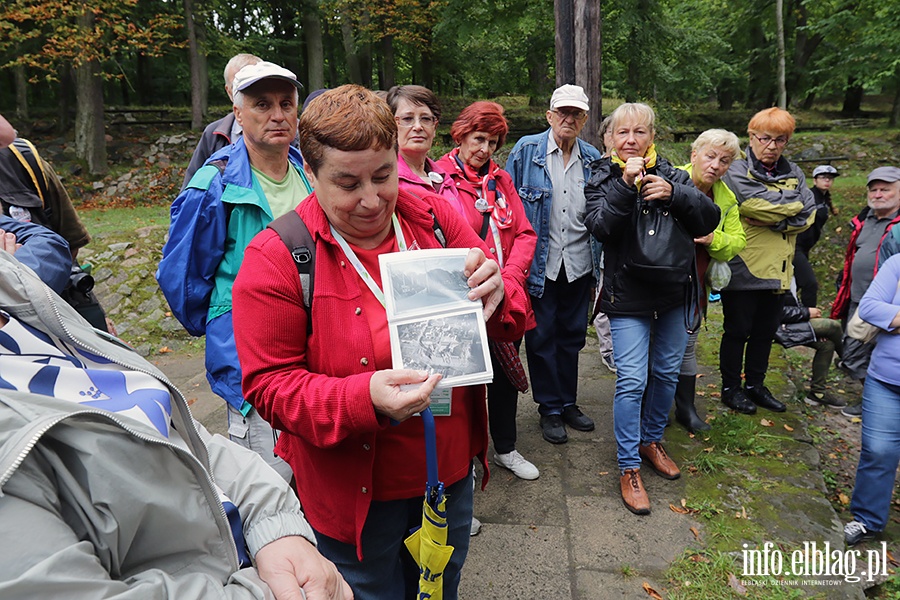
[685, 412]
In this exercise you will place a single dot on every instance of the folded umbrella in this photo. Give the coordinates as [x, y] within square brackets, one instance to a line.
[428, 543]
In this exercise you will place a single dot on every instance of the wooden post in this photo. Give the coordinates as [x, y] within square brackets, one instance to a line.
[588, 63]
[564, 11]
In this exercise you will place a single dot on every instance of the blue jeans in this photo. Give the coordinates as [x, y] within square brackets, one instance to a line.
[871, 503]
[634, 354]
[387, 571]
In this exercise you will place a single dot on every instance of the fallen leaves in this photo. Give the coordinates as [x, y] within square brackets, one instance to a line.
[698, 558]
[766, 423]
[651, 592]
[788, 427]
[741, 514]
[843, 498]
[891, 559]
[164, 350]
[736, 585]
[696, 533]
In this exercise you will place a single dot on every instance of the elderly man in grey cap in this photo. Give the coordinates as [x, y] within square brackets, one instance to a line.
[234, 196]
[549, 170]
[870, 229]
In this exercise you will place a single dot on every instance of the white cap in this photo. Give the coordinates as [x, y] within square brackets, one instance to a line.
[569, 95]
[825, 170]
[251, 74]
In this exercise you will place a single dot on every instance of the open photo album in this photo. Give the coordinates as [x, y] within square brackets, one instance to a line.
[433, 324]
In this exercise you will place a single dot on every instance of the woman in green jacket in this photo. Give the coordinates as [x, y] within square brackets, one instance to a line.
[711, 154]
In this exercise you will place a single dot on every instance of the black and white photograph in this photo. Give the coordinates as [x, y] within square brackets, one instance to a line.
[454, 345]
[424, 281]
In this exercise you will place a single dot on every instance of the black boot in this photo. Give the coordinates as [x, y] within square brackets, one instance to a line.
[685, 413]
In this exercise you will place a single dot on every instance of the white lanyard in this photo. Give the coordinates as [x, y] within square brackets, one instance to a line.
[495, 231]
[357, 264]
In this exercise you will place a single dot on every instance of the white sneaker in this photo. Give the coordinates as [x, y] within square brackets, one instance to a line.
[476, 527]
[516, 463]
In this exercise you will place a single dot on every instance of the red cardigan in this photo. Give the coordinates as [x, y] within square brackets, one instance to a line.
[315, 389]
[518, 241]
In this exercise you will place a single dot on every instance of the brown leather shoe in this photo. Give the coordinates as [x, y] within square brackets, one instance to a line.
[656, 455]
[633, 493]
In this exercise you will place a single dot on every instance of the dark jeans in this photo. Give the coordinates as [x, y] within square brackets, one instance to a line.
[502, 397]
[807, 284]
[552, 347]
[387, 571]
[750, 321]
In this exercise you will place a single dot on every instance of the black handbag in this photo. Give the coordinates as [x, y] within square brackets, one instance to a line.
[660, 249]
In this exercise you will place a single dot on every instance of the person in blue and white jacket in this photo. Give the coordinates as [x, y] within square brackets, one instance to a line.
[234, 196]
[110, 489]
[549, 170]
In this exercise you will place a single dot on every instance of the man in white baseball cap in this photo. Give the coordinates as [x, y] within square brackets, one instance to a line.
[549, 170]
[234, 196]
[807, 285]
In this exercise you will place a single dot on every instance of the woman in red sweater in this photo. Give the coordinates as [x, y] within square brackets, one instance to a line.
[492, 207]
[324, 378]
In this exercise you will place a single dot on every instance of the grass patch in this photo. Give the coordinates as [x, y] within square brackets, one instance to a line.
[104, 222]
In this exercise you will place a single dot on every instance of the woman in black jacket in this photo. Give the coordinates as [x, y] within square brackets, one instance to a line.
[646, 294]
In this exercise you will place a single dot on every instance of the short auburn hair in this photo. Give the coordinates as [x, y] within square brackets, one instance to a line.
[348, 118]
[480, 116]
[772, 120]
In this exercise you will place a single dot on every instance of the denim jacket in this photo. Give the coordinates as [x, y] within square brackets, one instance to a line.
[527, 163]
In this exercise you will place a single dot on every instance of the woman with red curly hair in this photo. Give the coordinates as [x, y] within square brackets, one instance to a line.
[492, 207]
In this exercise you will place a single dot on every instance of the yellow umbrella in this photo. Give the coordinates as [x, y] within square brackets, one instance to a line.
[428, 543]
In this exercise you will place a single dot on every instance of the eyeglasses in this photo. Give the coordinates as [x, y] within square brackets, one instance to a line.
[410, 121]
[563, 114]
[766, 140]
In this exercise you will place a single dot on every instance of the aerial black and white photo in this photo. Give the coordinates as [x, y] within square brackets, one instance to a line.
[424, 281]
[452, 345]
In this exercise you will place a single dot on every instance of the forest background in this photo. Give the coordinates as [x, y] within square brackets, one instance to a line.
[79, 64]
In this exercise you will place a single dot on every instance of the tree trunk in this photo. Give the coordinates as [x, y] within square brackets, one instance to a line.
[199, 76]
[315, 51]
[853, 96]
[804, 48]
[564, 11]
[353, 70]
[388, 69]
[895, 110]
[588, 64]
[21, 93]
[90, 134]
[63, 115]
[779, 27]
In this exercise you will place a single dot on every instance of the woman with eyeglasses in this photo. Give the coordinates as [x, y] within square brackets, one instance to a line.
[417, 112]
[775, 206]
[492, 207]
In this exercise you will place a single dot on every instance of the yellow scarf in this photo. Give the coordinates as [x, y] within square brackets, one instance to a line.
[649, 162]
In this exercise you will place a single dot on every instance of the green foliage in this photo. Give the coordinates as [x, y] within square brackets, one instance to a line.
[44, 34]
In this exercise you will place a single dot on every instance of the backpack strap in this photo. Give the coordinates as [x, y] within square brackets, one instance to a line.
[438, 232]
[34, 167]
[295, 235]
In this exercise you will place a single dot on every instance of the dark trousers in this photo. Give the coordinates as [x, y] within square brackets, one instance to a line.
[502, 398]
[750, 321]
[807, 284]
[552, 347]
